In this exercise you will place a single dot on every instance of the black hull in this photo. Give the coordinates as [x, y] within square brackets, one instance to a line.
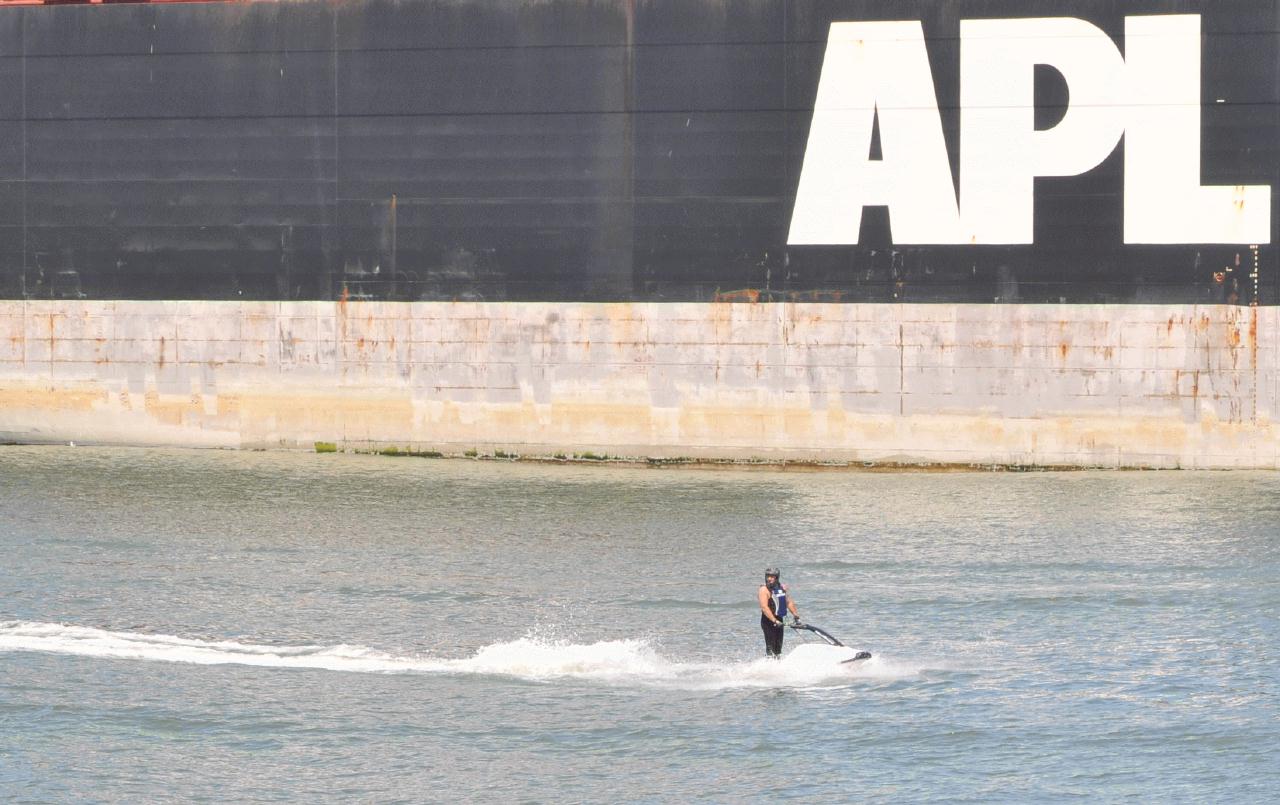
[623, 150]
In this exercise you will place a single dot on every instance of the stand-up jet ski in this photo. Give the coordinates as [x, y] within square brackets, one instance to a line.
[830, 640]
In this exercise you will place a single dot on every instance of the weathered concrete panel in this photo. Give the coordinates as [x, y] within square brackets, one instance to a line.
[1014, 384]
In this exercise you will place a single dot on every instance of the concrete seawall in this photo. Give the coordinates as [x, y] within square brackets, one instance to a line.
[1028, 385]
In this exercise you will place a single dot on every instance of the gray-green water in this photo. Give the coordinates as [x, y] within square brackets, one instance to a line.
[213, 626]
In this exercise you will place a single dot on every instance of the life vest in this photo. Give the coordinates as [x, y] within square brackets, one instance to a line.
[779, 600]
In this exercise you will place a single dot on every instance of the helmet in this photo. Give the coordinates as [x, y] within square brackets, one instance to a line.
[772, 571]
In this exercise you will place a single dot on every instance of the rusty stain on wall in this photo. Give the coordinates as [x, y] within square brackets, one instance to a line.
[1103, 386]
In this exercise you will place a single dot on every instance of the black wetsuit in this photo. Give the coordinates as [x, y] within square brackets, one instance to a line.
[773, 632]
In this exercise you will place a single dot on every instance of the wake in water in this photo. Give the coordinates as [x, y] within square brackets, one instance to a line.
[614, 662]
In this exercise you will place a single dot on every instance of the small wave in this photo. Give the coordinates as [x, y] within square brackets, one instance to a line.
[612, 662]
[683, 603]
[845, 564]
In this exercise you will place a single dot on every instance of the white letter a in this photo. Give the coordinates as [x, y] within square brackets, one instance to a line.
[870, 68]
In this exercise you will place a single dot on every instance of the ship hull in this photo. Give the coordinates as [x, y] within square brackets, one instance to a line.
[550, 151]
[569, 228]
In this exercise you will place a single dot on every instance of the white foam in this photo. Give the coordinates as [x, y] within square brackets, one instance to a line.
[613, 662]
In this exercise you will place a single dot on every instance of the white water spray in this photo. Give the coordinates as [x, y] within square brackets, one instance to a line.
[622, 663]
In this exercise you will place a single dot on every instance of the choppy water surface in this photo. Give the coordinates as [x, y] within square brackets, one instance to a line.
[214, 626]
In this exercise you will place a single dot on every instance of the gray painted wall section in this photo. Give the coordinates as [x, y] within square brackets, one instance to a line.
[1080, 385]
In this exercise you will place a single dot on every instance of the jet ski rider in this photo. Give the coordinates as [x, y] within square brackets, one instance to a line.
[774, 606]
